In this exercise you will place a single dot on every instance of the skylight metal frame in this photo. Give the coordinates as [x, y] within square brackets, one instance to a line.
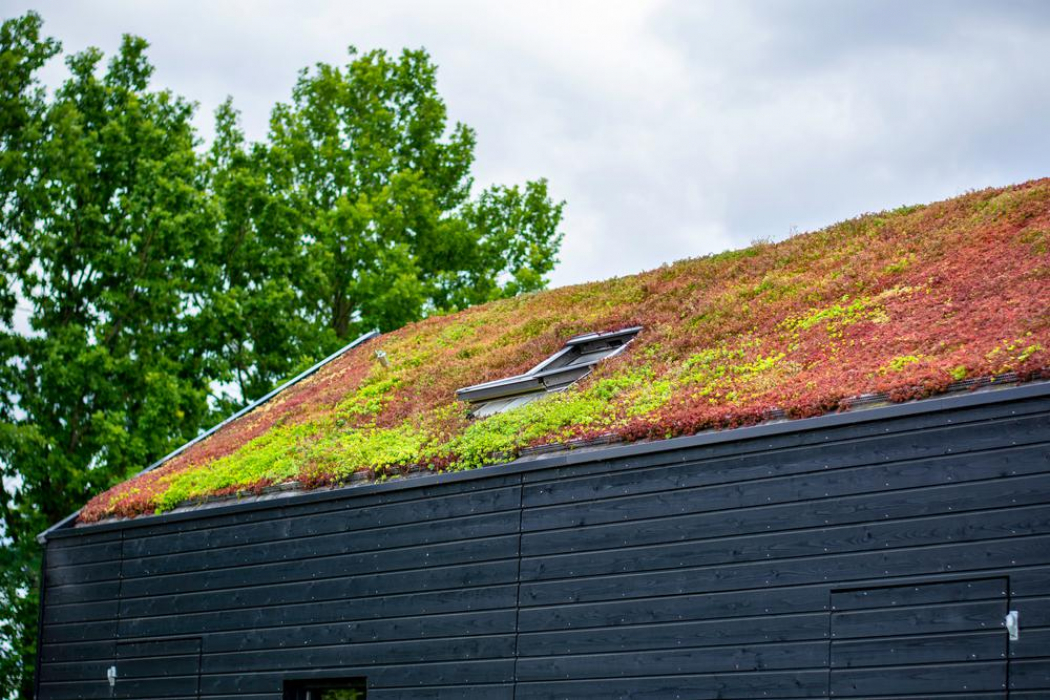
[557, 372]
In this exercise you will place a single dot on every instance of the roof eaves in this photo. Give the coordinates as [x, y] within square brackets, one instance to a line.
[965, 394]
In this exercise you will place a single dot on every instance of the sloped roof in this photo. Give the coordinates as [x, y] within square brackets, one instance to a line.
[904, 302]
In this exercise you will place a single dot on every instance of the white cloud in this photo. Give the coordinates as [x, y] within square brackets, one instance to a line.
[672, 129]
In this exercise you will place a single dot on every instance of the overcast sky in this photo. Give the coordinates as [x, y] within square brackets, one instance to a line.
[671, 129]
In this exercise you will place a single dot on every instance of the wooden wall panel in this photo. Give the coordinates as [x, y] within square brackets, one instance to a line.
[862, 555]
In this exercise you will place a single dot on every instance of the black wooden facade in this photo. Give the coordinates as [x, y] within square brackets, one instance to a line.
[864, 555]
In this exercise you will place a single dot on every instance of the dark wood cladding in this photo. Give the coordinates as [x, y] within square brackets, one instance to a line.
[866, 555]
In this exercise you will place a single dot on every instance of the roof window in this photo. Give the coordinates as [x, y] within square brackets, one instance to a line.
[557, 373]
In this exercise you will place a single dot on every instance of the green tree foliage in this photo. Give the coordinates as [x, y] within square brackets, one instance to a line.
[164, 283]
[357, 214]
[22, 52]
[254, 315]
[102, 243]
[22, 105]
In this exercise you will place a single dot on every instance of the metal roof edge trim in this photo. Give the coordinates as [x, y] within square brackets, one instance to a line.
[987, 396]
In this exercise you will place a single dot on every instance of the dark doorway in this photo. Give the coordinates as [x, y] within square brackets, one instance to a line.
[326, 689]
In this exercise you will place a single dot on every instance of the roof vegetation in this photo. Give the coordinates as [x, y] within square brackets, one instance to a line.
[904, 302]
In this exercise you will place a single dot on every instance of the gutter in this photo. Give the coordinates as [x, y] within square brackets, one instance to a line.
[42, 537]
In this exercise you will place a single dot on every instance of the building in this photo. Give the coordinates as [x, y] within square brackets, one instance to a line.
[812, 469]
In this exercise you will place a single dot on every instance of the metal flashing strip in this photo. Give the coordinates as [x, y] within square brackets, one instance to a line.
[247, 409]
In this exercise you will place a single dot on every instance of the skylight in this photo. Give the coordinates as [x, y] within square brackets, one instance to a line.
[559, 371]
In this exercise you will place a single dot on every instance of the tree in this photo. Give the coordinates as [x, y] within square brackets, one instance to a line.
[108, 244]
[164, 285]
[22, 53]
[362, 196]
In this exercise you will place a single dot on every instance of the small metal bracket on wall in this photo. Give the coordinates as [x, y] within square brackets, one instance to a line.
[1013, 625]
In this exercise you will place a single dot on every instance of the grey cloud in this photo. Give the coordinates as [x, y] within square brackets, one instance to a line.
[672, 129]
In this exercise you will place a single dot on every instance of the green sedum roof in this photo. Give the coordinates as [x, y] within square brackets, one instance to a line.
[904, 302]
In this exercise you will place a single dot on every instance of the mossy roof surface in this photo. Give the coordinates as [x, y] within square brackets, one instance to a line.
[903, 302]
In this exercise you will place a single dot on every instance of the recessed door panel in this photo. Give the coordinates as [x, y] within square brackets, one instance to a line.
[158, 669]
[916, 640]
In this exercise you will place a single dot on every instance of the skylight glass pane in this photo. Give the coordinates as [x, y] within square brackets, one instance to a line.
[590, 358]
